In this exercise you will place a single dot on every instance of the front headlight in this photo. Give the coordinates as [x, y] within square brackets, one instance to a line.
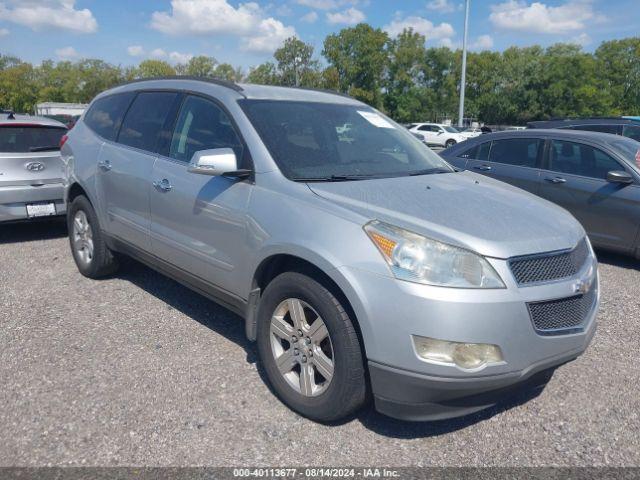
[415, 258]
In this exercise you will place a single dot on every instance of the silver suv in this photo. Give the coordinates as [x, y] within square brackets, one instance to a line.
[30, 167]
[360, 261]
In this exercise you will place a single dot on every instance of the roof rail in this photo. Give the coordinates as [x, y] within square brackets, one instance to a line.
[215, 81]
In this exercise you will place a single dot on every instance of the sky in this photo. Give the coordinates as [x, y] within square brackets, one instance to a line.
[245, 33]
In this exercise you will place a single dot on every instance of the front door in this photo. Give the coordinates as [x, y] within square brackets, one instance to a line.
[576, 180]
[198, 221]
[514, 161]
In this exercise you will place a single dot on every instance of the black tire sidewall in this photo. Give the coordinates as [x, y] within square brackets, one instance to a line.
[102, 262]
[346, 391]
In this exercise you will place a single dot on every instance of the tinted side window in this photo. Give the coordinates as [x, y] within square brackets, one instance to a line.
[479, 152]
[202, 125]
[614, 129]
[425, 128]
[143, 123]
[521, 152]
[579, 159]
[105, 115]
[631, 132]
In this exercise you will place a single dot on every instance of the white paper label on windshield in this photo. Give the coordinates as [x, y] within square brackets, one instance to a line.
[375, 119]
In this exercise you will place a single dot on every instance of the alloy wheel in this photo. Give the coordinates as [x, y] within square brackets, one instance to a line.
[83, 237]
[301, 347]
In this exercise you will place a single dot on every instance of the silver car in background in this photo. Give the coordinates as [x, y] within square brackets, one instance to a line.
[31, 168]
[360, 261]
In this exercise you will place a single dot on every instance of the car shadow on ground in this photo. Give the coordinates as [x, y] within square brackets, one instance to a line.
[32, 231]
[223, 322]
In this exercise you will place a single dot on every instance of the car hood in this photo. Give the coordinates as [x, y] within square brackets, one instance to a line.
[463, 209]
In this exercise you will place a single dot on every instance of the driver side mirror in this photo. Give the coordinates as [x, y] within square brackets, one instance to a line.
[440, 132]
[619, 176]
[217, 162]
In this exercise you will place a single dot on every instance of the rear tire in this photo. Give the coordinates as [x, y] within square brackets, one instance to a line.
[90, 252]
[335, 385]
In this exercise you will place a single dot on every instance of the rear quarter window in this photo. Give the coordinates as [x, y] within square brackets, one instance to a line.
[105, 115]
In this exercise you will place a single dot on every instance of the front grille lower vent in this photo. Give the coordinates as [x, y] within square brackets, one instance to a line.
[563, 316]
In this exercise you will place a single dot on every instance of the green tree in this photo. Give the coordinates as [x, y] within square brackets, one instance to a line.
[264, 74]
[201, 66]
[295, 63]
[618, 67]
[405, 94]
[226, 71]
[154, 68]
[360, 57]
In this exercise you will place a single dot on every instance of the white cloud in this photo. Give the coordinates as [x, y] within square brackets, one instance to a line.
[177, 57]
[310, 17]
[270, 35]
[284, 11]
[422, 26]
[67, 53]
[135, 50]
[328, 4]
[209, 17]
[483, 42]
[4, 32]
[583, 39]
[538, 17]
[351, 16]
[41, 14]
[441, 6]
[158, 53]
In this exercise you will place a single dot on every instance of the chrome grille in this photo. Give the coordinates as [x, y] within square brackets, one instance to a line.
[549, 267]
[563, 316]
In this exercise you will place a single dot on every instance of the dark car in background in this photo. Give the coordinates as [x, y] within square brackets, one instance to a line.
[596, 176]
[627, 127]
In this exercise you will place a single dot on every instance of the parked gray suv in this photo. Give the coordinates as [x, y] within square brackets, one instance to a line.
[360, 261]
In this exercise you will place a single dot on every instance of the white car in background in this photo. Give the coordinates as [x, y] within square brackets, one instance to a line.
[471, 132]
[438, 134]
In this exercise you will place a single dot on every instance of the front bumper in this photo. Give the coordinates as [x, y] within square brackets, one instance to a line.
[404, 385]
[414, 397]
[14, 200]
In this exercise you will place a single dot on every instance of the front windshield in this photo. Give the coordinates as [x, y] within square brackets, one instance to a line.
[451, 129]
[308, 141]
[630, 150]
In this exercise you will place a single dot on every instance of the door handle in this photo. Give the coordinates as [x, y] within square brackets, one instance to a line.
[104, 165]
[163, 185]
[484, 168]
[556, 180]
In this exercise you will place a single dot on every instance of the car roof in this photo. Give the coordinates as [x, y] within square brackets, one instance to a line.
[589, 136]
[6, 120]
[237, 90]
[583, 121]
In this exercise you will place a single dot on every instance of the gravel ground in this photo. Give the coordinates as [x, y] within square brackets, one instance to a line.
[137, 370]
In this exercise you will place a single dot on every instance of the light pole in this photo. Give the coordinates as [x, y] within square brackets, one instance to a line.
[463, 78]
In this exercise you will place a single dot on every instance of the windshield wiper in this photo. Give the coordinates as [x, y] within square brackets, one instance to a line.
[430, 171]
[46, 148]
[335, 178]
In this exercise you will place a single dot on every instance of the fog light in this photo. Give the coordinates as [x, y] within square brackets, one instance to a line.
[469, 356]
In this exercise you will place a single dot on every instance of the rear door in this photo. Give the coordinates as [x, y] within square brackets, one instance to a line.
[575, 178]
[198, 222]
[123, 178]
[512, 160]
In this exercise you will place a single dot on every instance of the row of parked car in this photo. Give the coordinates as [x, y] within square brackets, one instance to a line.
[362, 263]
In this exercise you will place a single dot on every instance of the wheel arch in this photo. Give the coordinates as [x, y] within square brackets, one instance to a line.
[317, 268]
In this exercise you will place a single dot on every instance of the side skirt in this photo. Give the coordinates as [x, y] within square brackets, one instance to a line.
[222, 297]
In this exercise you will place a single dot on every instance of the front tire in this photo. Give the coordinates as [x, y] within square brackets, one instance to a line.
[90, 252]
[450, 143]
[310, 349]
